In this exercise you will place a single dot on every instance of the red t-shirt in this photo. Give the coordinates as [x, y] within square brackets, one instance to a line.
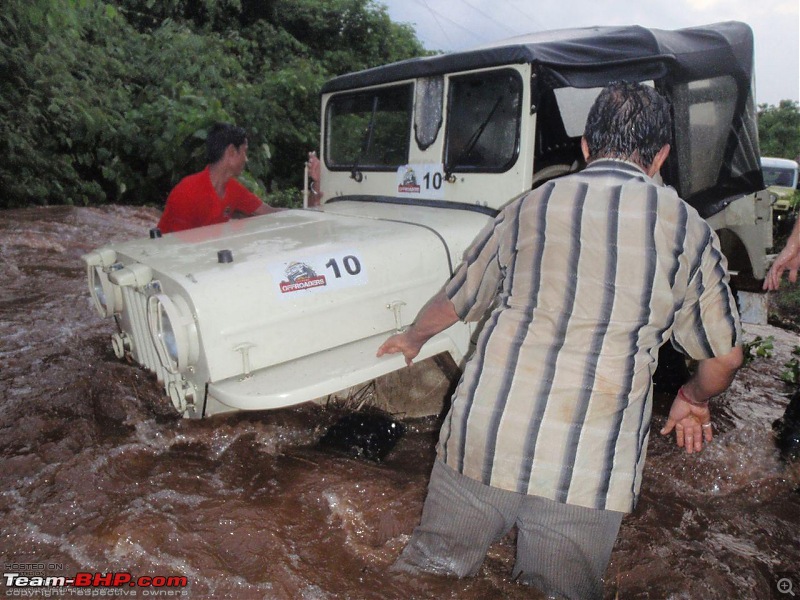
[194, 203]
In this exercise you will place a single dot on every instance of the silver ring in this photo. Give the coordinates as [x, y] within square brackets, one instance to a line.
[706, 425]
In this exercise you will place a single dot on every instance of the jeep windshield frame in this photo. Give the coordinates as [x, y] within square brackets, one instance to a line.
[369, 130]
[483, 124]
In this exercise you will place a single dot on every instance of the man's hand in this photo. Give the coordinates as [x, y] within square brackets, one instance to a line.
[314, 174]
[689, 415]
[691, 422]
[789, 258]
[314, 167]
[400, 343]
[437, 315]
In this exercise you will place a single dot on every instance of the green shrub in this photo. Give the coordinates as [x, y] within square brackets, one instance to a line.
[110, 101]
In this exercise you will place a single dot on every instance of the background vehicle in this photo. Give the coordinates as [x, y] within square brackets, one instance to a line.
[781, 178]
[417, 157]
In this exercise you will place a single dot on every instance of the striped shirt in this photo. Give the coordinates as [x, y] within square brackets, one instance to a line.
[586, 277]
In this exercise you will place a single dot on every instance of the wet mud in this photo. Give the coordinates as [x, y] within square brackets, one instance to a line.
[97, 475]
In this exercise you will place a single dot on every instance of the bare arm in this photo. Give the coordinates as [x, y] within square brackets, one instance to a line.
[689, 415]
[315, 196]
[436, 316]
[266, 209]
[314, 174]
[789, 258]
[714, 375]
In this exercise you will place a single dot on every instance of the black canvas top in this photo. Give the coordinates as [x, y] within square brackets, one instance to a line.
[594, 56]
[578, 56]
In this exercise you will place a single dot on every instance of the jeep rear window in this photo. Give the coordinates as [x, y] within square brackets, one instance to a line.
[483, 121]
[369, 130]
[704, 111]
[561, 120]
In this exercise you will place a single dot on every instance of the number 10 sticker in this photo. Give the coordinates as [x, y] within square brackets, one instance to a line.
[423, 180]
[332, 271]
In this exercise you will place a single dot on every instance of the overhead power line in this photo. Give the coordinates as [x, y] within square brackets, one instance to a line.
[434, 12]
[488, 16]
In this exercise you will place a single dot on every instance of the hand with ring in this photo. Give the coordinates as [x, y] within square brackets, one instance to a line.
[691, 422]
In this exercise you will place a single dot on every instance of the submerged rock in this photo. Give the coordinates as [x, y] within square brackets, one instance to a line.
[787, 429]
[368, 434]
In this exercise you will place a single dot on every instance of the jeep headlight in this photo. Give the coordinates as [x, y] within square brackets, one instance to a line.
[106, 296]
[97, 284]
[173, 331]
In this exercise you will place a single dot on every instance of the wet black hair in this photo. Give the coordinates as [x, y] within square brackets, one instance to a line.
[629, 121]
[220, 136]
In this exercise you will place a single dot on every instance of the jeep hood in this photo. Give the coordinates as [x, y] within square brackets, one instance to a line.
[266, 291]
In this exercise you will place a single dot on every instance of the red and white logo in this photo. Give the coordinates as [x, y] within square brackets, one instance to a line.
[301, 277]
[409, 184]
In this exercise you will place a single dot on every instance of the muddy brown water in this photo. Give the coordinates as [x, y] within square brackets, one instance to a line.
[97, 476]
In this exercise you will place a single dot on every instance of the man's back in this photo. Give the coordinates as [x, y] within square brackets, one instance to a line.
[195, 203]
[585, 276]
[594, 269]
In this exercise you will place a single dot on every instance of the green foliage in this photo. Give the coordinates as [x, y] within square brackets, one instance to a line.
[784, 306]
[779, 129]
[758, 348]
[793, 200]
[763, 347]
[110, 101]
[55, 126]
[792, 372]
[346, 35]
[149, 15]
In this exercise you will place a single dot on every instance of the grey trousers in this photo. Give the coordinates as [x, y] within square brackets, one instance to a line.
[562, 550]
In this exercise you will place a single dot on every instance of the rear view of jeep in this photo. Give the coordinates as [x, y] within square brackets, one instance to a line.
[417, 157]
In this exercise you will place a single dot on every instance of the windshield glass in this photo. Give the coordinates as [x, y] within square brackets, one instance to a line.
[369, 130]
[483, 121]
[778, 176]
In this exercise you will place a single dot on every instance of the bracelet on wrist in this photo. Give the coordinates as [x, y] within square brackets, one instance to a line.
[682, 395]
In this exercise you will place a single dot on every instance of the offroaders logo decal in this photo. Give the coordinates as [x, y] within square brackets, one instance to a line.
[409, 182]
[423, 180]
[321, 273]
[301, 277]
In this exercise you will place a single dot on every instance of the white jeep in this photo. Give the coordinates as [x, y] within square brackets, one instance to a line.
[417, 157]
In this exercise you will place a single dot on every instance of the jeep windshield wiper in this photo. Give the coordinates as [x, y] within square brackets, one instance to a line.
[473, 140]
[355, 173]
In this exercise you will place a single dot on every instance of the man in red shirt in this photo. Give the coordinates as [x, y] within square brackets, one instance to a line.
[214, 195]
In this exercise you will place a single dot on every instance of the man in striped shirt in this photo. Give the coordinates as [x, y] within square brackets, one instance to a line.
[585, 278]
